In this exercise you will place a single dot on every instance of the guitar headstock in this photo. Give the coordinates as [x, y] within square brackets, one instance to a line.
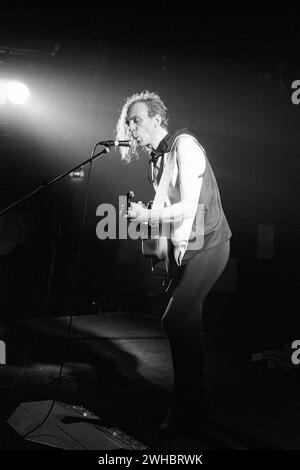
[130, 196]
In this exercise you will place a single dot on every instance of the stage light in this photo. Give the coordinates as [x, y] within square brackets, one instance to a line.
[17, 92]
[2, 92]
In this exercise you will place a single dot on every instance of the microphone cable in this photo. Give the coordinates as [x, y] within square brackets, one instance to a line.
[77, 259]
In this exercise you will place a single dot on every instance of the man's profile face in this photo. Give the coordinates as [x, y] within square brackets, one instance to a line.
[142, 127]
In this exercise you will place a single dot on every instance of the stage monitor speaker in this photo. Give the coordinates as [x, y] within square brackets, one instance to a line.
[68, 427]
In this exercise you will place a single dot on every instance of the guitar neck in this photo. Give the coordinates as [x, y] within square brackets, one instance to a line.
[130, 196]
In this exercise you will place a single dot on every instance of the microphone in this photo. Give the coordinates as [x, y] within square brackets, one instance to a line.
[116, 143]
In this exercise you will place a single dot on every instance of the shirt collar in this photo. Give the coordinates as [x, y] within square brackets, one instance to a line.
[161, 149]
[165, 144]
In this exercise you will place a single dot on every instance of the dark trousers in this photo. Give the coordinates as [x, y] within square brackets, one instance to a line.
[182, 322]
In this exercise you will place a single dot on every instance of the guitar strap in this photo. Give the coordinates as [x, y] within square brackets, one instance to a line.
[161, 198]
[180, 231]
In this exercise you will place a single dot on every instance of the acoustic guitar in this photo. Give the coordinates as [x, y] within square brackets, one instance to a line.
[157, 250]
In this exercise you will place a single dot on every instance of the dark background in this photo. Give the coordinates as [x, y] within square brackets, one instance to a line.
[225, 74]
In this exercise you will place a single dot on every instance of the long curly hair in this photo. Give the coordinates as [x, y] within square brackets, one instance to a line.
[155, 106]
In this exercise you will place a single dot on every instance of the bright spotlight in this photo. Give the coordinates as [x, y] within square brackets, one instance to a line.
[17, 92]
[2, 92]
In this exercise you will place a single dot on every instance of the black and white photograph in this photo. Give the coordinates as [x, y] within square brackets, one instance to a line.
[148, 232]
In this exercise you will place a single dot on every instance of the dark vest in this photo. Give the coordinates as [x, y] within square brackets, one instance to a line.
[216, 228]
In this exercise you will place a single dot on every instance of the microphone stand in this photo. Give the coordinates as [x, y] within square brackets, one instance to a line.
[82, 415]
[46, 184]
[107, 147]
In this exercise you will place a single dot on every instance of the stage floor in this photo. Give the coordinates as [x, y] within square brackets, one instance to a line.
[118, 366]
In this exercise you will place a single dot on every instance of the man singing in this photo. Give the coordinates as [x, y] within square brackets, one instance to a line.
[191, 185]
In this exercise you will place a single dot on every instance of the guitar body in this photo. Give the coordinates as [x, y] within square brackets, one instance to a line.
[153, 276]
[156, 244]
[156, 248]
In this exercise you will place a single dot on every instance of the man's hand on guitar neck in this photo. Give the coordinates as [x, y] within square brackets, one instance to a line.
[137, 212]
